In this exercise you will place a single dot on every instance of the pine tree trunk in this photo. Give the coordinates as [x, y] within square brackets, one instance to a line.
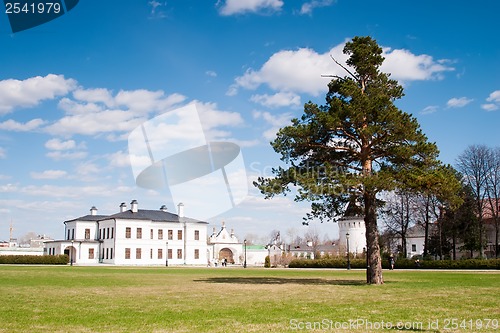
[374, 271]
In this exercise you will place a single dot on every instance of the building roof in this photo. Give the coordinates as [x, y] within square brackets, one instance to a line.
[354, 208]
[141, 214]
[89, 218]
[153, 215]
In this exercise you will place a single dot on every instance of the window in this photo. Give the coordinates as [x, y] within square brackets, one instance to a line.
[160, 233]
[87, 233]
[72, 233]
[128, 231]
[170, 235]
[127, 253]
[139, 233]
[196, 235]
[108, 233]
[91, 253]
[111, 253]
[151, 234]
[414, 247]
[68, 234]
[179, 253]
[100, 233]
[107, 253]
[169, 254]
[197, 254]
[160, 254]
[112, 232]
[151, 254]
[179, 234]
[138, 253]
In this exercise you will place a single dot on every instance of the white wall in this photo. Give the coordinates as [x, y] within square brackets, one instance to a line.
[357, 238]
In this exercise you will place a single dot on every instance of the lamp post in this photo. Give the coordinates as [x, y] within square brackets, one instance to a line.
[245, 263]
[348, 256]
[166, 254]
[71, 253]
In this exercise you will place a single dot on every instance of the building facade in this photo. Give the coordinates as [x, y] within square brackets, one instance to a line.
[133, 237]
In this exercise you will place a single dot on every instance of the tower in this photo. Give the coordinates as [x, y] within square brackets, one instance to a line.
[353, 223]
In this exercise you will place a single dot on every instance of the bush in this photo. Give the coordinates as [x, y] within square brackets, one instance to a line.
[62, 259]
[267, 262]
[400, 264]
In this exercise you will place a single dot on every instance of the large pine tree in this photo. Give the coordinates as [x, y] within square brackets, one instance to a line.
[359, 143]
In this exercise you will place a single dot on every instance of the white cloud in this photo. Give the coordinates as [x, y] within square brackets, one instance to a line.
[277, 100]
[211, 73]
[146, 101]
[95, 123]
[276, 122]
[490, 107]
[49, 174]
[458, 102]
[98, 95]
[212, 120]
[300, 71]
[56, 144]
[91, 112]
[429, 109]
[58, 155]
[119, 159]
[12, 125]
[494, 97]
[232, 7]
[406, 66]
[309, 6]
[155, 12]
[52, 191]
[28, 93]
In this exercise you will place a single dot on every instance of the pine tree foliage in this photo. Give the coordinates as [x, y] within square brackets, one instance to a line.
[358, 143]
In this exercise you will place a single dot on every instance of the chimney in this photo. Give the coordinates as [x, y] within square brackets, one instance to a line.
[223, 225]
[180, 209]
[123, 207]
[163, 208]
[93, 211]
[133, 206]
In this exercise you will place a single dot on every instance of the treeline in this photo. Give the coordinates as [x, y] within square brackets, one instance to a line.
[62, 259]
[400, 264]
[453, 219]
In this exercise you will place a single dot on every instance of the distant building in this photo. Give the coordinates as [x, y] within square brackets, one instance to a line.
[225, 245]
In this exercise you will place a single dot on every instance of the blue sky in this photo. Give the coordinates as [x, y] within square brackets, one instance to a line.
[73, 89]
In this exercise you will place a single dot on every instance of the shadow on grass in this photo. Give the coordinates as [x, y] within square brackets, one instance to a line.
[276, 280]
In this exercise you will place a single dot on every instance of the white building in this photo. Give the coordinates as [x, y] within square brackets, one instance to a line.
[225, 245]
[133, 237]
[352, 224]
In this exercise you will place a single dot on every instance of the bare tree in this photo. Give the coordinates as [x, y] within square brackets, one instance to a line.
[399, 215]
[473, 164]
[493, 192]
[313, 239]
[26, 239]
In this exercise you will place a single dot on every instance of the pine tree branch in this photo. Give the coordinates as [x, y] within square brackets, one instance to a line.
[344, 68]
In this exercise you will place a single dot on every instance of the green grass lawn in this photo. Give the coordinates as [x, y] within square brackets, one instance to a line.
[129, 299]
